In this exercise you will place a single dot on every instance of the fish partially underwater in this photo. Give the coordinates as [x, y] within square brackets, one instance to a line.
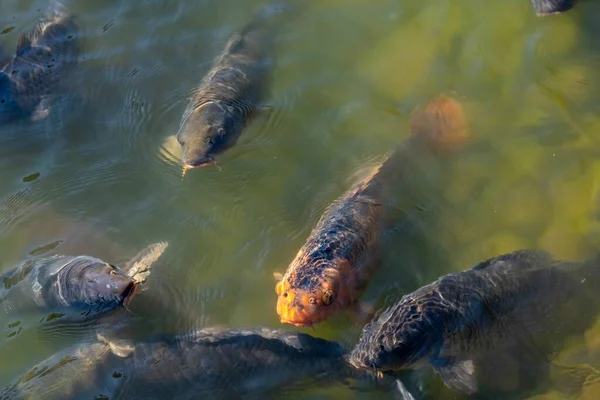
[231, 92]
[211, 363]
[337, 260]
[526, 298]
[551, 7]
[72, 287]
[44, 58]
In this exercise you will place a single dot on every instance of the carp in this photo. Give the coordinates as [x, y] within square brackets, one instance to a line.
[44, 58]
[525, 298]
[337, 260]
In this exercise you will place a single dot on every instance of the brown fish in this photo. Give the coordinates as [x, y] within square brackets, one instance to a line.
[341, 253]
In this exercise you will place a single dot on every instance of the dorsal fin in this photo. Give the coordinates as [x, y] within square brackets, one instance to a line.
[23, 44]
[520, 258]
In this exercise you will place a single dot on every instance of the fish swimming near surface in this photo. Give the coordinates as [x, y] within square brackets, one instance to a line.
[335, 263]
[44, 58]
[551, 7]
[524, 298]
[73, 287]
[231, 92]
[211, 363]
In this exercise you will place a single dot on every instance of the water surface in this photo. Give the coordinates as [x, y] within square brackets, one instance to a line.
[93, 179]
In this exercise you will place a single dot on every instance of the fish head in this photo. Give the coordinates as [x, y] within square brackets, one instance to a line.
[402, 337]
[101, 286]
[312, 295]
[208, 130]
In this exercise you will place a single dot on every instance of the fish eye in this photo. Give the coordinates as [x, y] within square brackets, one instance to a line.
[221, 131]
[312, 300]
[209, 141]
[113, 272]
[328, 297]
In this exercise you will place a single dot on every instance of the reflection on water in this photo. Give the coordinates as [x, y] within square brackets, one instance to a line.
[93, 178]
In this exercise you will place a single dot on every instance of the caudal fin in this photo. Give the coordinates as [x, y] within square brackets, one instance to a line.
[549, 7]
[442, 124]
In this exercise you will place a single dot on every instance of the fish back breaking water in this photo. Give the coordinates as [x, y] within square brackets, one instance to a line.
[523, 297]
[210, 363]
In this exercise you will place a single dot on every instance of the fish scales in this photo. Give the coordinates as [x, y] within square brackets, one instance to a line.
[524, 297]
[342, 252]
[45, 56]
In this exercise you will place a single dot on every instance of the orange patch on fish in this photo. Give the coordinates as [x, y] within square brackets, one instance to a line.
[300, 307]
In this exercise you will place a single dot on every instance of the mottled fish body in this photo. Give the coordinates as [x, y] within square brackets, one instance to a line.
[338, 258]
[525, 297]
[210, 363]
[230, 93]
[44, 58]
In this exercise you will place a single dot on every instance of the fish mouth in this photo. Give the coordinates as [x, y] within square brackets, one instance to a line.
[205, 161]
[129, 293]
[295, 323]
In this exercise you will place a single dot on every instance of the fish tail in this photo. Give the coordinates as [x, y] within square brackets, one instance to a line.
[550, 7]
[571, 378]
[441, 125]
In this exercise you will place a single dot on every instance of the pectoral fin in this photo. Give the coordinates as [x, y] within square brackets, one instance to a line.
[121, 348]
[139, 266]
[459, 376]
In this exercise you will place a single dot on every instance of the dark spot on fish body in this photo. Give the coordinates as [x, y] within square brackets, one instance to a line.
[13, 334]
[32, 177]
[117, 374]
[102, 397]
[44, 249]
[14, 324]
[11, 281]
[54, 316]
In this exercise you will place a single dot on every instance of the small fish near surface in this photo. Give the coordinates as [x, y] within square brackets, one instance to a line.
[231, 93]
[337, 260]
[550, 7]
[525, 298]
[211, 363]
[73, 287]
[44, 58]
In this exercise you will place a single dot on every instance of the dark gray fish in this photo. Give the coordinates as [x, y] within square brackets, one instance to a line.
[43, 60]
[549, 7]
[230, 93]
[81, 286]
[64, 284]
[210, 363]
[525, 297]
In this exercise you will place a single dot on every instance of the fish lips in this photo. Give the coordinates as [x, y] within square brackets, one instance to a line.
[129, 293]
[205, 161]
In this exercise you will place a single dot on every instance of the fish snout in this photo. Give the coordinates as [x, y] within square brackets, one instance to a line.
[295, 308]
[203, 161]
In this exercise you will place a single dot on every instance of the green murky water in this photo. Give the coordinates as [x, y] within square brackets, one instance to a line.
[94, 177]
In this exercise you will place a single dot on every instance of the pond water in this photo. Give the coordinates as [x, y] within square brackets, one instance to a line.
[95, 178]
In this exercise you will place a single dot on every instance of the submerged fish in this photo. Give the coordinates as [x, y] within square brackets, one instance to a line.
[206, 364]
[44, 58]
[550, 7]
[230, 93]
[524, 298]
[335, 263]
[81, 286]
